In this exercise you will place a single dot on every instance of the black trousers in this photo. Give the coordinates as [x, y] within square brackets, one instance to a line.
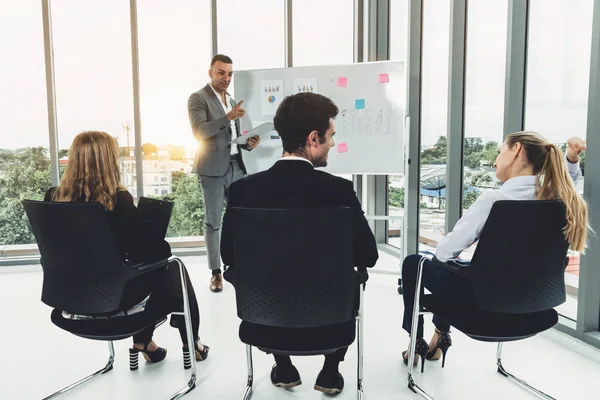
[166, 297]
[335, 357]
[439, 282]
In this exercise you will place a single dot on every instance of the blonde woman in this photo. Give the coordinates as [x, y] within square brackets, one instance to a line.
[92, 175]
[530, 168]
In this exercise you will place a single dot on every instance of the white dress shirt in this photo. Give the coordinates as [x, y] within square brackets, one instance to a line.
[295, 158]
[468, 228]
[226, 109]
[575, 172]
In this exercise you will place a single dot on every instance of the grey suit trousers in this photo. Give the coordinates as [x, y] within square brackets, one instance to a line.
[214, 195]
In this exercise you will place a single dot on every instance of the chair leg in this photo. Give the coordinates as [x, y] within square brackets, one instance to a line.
[513, 378]
[413, 337]
[188, 326]
[359, 344]
[107, 367]
[250, 381]
[413, 344]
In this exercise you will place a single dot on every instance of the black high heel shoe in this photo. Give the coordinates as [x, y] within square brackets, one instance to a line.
[151, 356]
[200, 355]
[443, 343]
[421, 349]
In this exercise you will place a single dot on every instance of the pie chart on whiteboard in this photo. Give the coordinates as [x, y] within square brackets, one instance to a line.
[271, 99]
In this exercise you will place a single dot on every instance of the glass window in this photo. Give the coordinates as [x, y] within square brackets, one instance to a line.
[484, 95]
[169, 73]
[325, 36]
[251, 33]
[398, 29]
[434, 110]
[92, 60]
[558, 66]
[24, 158]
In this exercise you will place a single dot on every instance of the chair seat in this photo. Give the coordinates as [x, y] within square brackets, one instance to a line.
[299, 353]
[487, 326]
[106, 329]
[298, 341]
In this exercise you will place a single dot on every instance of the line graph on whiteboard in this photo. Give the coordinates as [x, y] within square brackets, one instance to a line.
[366, 122]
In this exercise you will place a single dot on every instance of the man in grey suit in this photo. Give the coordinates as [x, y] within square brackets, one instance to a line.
[214, 117]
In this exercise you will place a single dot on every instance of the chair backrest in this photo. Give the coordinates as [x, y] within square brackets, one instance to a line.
[294, 267]
[518, 266]
[83, 270]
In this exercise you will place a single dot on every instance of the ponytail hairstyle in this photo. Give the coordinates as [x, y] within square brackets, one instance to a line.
[92, 173]
[548, 162]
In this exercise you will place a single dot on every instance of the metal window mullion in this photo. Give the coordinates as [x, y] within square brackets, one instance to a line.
[358, 43]
[456, 103]
[383, 30]
[378, 28]
[413, 126]
[379, 206]
[137, 117]
[358, 31]
[378, 51]
[50, 92]
[214, 27]
[588, 310]
[516, 66]
[288, 10]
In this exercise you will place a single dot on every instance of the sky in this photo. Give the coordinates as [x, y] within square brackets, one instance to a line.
[93, 73]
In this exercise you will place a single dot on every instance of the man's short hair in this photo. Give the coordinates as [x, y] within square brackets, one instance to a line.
[299, 115]
[220, 57]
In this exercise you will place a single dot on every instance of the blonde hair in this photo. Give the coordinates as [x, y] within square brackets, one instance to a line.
[92, 173]
[548, 162]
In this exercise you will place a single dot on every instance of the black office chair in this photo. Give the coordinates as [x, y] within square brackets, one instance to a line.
[84, 274]
[517, 273]
[295, 269]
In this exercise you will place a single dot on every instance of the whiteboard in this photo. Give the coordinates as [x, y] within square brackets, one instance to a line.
[369, 127]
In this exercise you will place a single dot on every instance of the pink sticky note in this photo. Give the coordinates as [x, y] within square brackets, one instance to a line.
[244, 132]
[384, 78]
[343, 82]
[342, 148]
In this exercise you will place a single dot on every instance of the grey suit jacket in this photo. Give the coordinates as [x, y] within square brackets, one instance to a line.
[212, 130]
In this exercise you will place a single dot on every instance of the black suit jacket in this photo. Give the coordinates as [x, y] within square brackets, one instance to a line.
[296, 184]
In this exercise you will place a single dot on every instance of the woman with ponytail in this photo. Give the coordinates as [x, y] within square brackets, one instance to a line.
[531, 168]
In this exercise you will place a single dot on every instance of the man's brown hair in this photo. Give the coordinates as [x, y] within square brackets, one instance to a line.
[221, 57]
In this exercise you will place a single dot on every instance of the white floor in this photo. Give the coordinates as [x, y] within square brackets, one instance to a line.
[37, 358]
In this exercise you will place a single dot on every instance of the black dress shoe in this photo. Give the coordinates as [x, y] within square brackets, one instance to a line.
[329, 382]
[285, 378]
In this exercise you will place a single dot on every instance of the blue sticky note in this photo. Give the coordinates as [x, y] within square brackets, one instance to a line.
[359, 104]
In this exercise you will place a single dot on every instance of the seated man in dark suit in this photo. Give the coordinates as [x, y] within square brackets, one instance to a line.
[305, 122]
